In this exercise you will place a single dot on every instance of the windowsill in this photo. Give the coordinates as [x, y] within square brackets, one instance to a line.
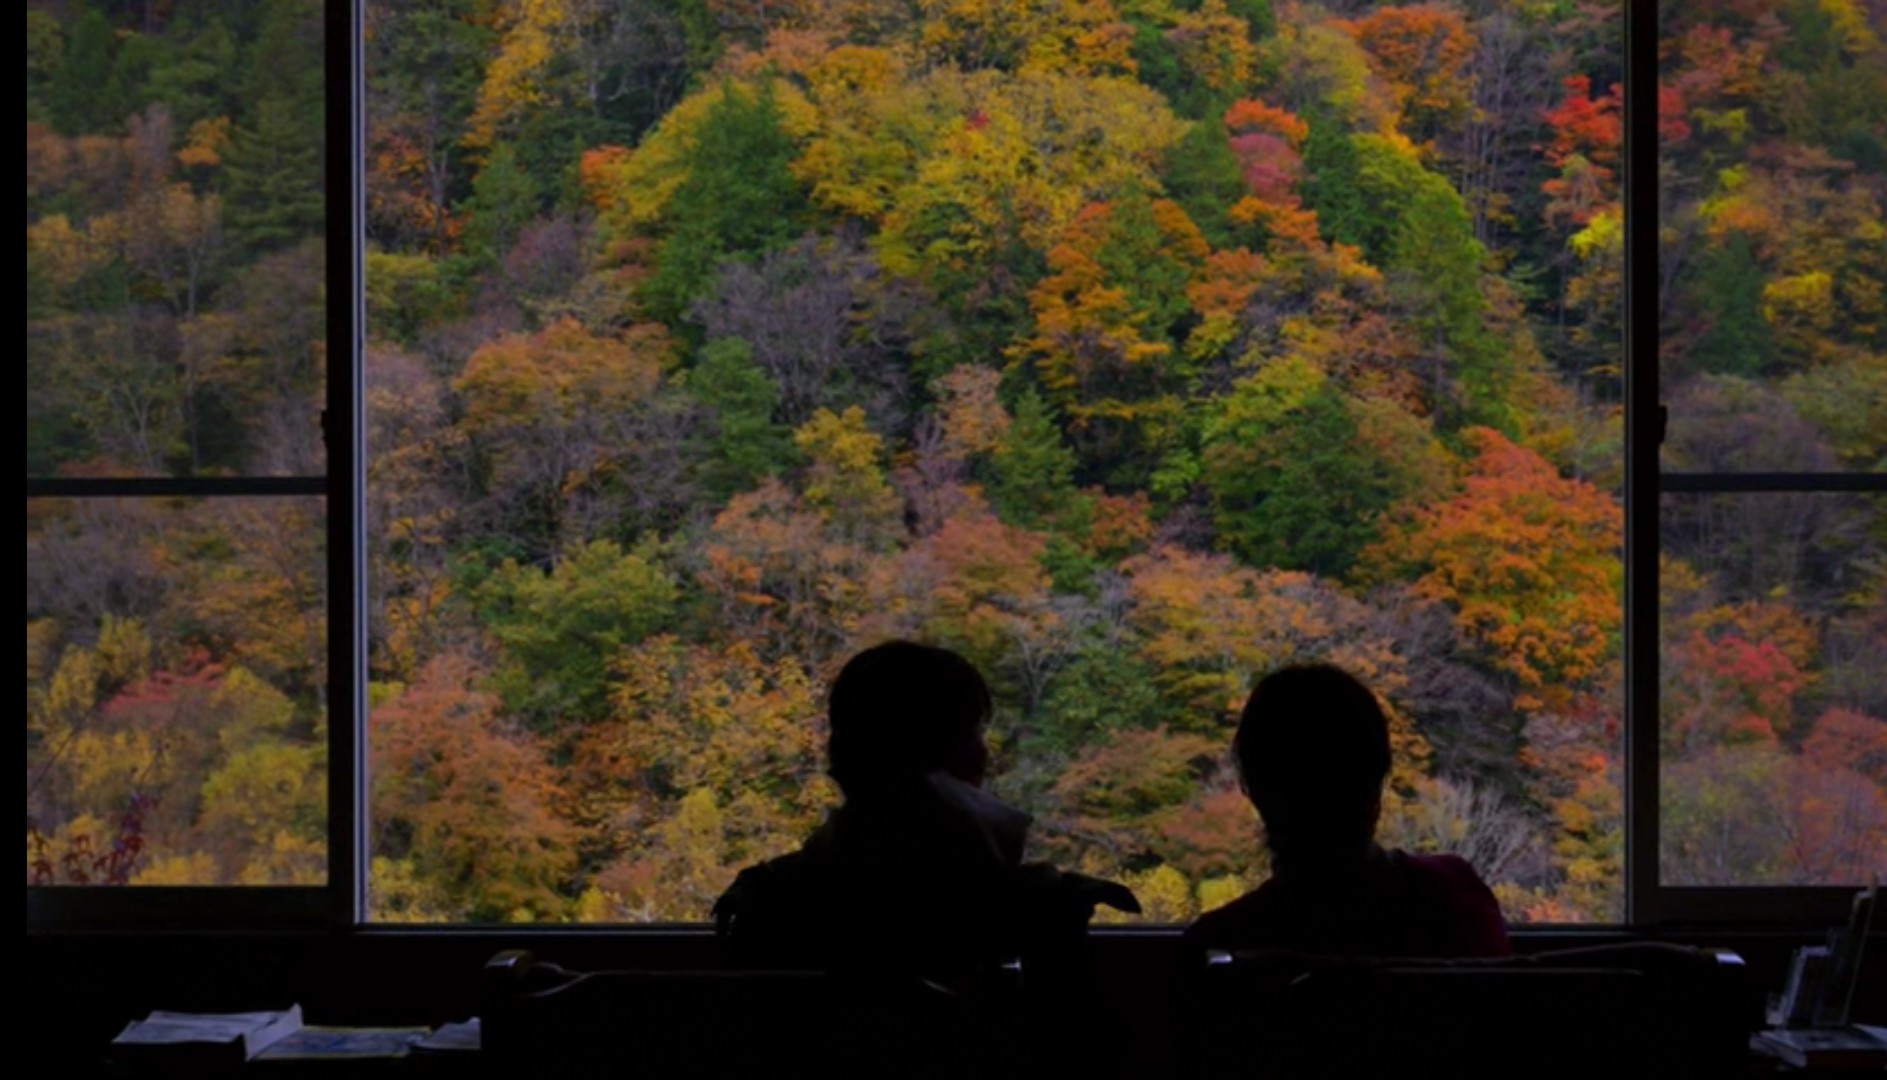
[84, 984]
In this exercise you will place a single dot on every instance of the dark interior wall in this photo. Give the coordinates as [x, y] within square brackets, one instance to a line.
[82, 987]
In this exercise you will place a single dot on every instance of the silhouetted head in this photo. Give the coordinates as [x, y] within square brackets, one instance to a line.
[901, 710]
[1313, 753]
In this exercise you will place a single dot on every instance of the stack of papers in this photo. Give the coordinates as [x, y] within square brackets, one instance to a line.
[228, 1036]
[203, 1039]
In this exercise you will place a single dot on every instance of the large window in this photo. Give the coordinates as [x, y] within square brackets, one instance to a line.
[1773, 358]
[178, 331]
[1130, 347]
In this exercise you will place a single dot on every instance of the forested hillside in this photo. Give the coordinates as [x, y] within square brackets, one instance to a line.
[1131, 347]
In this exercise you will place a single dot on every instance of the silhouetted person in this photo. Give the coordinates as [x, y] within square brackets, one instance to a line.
[1313, 755]
[920, 868]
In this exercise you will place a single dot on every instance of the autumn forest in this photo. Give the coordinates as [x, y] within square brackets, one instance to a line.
[1130, 347]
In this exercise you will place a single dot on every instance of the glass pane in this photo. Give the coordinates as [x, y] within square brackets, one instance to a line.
[176, 686]
[1774, 182]
[174, 254]
[1774, 725]
[1132, 351]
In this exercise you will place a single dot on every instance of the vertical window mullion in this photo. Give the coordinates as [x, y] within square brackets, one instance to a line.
[345, 450]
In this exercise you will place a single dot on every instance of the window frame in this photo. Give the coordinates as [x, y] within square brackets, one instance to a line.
[340, 903]
[1649, 903]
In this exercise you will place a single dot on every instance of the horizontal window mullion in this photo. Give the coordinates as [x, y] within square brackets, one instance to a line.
[1756, 483]
[184, 487]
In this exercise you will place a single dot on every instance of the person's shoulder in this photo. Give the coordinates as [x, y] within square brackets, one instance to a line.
[1456, 892]
[767, 885]
[1439, 863]
[1231, 926]
[786, 867]
[1448, 876]
[782, 912]
[1445, 869]
[1070, 895]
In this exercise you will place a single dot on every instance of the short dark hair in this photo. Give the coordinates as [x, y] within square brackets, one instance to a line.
[1313, 752]
[900, 710]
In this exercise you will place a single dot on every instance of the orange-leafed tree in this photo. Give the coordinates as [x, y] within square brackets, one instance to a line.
[1107, 319]
[566, 419]
[987, 586]
[776, 572]
[1425, 53]
[1530, 562]
[972, 419]
[710, 761]
[1208, 627]
[1730, 690]
[1125, 794]
[1574, 756]
[467, 801]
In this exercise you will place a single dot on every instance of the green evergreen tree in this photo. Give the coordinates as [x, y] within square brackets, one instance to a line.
[1259, 15]
[1438, 268]
[504, 200]
[43, 46]
[84, 96]
[1157, 64]
[1729, 285]
[139, 58]
[702, 31]
[1033, 482]
[551, 143]
[1203, 176]
[1138, 258]
[740, 199]
[1831, 98]
[560, 631]
[192, 79]
[274, 166]
[745, 444]
[274, 177]
[1293, 483]
[1299, 496]
[1102, 690]
[1333, 186]
[985, 301]
[287, 60]
[1373, 193]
